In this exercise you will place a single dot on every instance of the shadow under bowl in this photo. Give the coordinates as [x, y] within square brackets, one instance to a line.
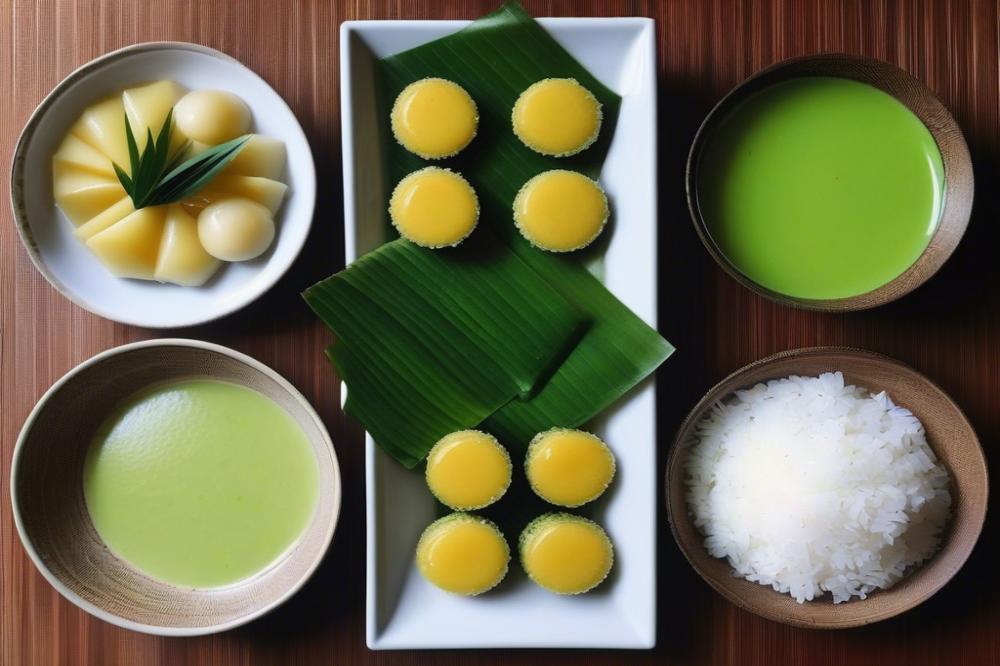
[56, 529]
[919, 99]
[949, 434]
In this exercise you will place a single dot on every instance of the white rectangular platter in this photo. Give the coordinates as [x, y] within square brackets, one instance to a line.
[403, 610]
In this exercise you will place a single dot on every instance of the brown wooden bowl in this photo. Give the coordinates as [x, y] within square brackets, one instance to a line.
[958, 178]
[55, 527]
[950, 436]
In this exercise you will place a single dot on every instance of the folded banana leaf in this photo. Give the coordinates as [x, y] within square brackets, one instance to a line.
[495, 332]
[433, 341]
[618, 350]
[495, 58]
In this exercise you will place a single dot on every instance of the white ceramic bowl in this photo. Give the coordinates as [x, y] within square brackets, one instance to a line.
[70, 267]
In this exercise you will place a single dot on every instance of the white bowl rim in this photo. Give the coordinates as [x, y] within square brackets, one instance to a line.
[21, 221]
[102, 614]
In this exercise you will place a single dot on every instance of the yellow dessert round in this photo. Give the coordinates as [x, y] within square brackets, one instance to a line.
[463, 554]
[569, 467]
[565, 554]
[468, 470]
[560, 210]
[557, 117]
[434, 118]
[434, 207]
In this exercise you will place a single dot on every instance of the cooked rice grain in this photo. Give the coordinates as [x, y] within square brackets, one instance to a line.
[811, 486]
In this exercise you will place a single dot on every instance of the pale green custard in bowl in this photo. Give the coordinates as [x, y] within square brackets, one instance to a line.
[200, 483]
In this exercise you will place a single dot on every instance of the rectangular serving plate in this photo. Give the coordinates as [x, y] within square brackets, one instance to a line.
[403, 611]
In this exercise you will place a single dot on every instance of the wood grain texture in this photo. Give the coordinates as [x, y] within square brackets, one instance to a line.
[949, 329]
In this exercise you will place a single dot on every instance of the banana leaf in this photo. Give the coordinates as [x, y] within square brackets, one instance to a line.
[495, 58]
[617, 352]
[495, 332]
[433, 341]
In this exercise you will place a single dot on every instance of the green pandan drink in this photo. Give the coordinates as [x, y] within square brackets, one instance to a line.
[821, 188]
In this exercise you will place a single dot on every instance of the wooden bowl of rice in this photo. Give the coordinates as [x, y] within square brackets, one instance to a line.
[950, 436]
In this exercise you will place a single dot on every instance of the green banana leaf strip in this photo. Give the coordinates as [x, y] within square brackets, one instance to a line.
[495, 58]
[481, 304]
[617, 352]
[430, 342]
[373, 381]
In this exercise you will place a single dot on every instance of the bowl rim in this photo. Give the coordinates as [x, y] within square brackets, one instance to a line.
[954, 216]
[710, 397]
[157, 630]
[16, 180]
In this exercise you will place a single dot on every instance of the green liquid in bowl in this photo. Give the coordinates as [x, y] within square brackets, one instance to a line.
[820, 187]
[200, 483]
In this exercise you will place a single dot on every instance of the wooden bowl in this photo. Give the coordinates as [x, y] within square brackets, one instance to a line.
[958, 178]
[950, 436]
[54, 524]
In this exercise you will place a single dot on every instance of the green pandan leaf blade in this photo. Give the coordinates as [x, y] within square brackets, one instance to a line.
[133, 149]
[191, 176]
[157, 177]
[123, 178]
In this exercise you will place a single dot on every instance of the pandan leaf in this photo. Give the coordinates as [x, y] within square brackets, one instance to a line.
[191, 176]
[147, 176]
[163, 138]
[159, 178]
[133, 149]
[123, 177]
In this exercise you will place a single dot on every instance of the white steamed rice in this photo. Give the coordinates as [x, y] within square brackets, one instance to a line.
[811, 486]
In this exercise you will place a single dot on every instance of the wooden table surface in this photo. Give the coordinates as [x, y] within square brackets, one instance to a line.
[949, 329]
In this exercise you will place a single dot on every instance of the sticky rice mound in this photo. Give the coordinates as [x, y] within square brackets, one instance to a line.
[813, 486]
